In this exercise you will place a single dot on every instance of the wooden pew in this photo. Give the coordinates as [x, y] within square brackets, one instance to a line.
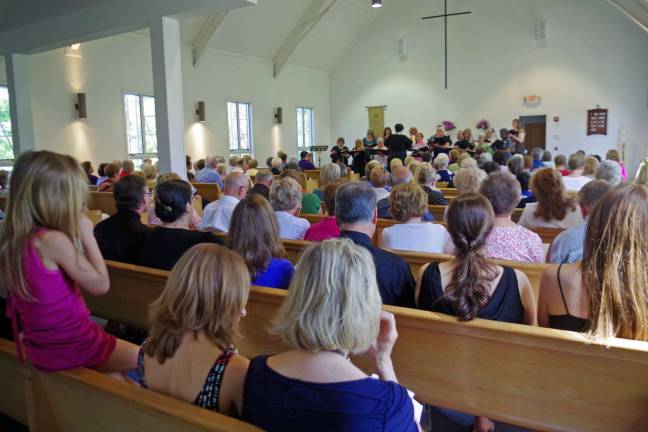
[103, 201]
[312, 174]
[438, 211]
[92, 188]
[209, 191]
[3, 203]
[547, 234]
[537, 378]
[83, 400]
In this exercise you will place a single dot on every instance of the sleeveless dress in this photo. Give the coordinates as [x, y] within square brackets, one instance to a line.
[58, 333]
[567, 321]
[210, 392]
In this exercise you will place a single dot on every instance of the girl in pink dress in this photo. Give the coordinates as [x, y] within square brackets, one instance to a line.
[48, 254]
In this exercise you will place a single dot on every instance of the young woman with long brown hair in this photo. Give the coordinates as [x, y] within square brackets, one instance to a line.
[254, 234]
[605, 294]
[554, 208]
[470, 286]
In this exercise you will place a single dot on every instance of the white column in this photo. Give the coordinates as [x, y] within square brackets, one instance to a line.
[22, 124]
[167, 88]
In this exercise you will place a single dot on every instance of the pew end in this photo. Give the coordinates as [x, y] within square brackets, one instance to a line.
[12, 392]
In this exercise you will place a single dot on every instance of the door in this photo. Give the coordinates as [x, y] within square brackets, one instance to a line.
[535, 128]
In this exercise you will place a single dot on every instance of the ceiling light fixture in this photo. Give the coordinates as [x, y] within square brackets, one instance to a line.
[376, 3]
[73, 50]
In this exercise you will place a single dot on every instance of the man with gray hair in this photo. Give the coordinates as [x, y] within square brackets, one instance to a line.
[209, 174]
[567, 247]
[357, 215]
[262, 183]
[400, 175]
[218, 214]
[610, 171]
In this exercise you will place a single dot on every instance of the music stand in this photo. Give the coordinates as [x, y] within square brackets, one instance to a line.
[319, 150]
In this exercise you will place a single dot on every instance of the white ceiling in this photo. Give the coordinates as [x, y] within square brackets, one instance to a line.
[637, 9]
[17, 13]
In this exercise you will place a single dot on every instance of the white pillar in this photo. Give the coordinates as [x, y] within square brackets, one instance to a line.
[167, 88]
[22, 124]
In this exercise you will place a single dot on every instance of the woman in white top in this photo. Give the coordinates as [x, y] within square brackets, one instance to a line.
[554, 208]
[286, 198]
[408, 203]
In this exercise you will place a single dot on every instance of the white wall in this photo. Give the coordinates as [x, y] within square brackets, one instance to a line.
[595, 56]
[113, 66]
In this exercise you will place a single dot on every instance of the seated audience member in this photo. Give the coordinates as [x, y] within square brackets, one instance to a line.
[604, 294]
[277, 165]
[112, 177]
[252, 168]
[427, 181]
[507, 240]
[408, 203]
[262, 183]
[344, 170]
[4, 182]
[327, 228]
[236, 164]
[188, 165]
[150, 175]
[560, 164]
[284, 159]
[468, 180]
[642, 173]
[567, 247]
[394, 164]
[469, 287]
[575, 180]
[209, 174]
[254, 234]
[491, 167]
[554, 208]
[379, 180]
[441, 166]
[501, 158]
[89, 170]
[190, 353]
[222, 170]
[168, 242]
[610, 172]
[151, 216]
[305, 162]
[614, 155]
[357, 215]
[310, 203]
[537, 153]
[122, 235]
[400, 175]
[286, 198]
[218, 214]
[371, 165]
[546, 159]
[453, 168]
[516, 167]
[102, 173]
[292, 164]
[591, 165]
[199, 166]
[314, 386]
[127, 168]
[483, 159]
[328, 173]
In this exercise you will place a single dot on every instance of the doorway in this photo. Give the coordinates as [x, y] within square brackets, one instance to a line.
[536, 131]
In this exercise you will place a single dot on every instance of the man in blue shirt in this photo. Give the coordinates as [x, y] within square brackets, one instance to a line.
[305, 162]
[567, 247]
[357, 215]
[209, 173]
[538, 153]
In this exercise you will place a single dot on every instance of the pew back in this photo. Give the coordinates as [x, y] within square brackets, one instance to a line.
[209, 191]
[3, 203]
[12, 393]
[103, 201]
[537, 378]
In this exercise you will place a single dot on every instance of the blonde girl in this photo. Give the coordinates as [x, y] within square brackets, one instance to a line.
[48, 256]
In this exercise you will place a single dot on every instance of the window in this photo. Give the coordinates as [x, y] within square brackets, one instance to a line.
[305, 135]
[6, 139]
[239, 122]
[140, 127]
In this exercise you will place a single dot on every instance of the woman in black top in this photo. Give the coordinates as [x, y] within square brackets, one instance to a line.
[440, 142]
[360, 158]
[168, 242]
[340, 153]
[470, 286]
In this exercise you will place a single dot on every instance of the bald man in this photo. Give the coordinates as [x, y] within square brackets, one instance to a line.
[400, 175]
[218, 214]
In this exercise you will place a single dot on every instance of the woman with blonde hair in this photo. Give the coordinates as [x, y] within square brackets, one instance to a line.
[554, 208]
[518, 136]
[314, 386]
[615, 156]
[591, 163]
[254, 234]
[408, 204]
[395, 163]
[360, 158]
[604, 294]
[190, 353]
[48, 257]
[468, 180]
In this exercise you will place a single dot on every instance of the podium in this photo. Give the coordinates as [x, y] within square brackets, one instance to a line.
[319, 150]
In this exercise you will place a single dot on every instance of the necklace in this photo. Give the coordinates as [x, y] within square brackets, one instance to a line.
[338, 352]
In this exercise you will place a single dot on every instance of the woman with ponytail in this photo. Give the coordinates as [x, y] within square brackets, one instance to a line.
[190, 353]
[470, 286]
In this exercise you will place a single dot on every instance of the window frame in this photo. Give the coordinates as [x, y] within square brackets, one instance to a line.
[8, 162]
[311, 112]
[142, 127]
[240, 151]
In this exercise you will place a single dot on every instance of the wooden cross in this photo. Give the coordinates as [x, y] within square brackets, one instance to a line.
[445, 25]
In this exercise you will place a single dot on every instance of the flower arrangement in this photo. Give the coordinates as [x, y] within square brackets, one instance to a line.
[448, 125]
[483, 124]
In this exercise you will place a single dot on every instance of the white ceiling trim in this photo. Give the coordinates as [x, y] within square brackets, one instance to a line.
[313, 15]
[628, 15]
[205, 34]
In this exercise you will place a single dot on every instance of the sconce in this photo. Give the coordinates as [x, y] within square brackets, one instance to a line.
[200, 112]
[81, 105]
[278, 115]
